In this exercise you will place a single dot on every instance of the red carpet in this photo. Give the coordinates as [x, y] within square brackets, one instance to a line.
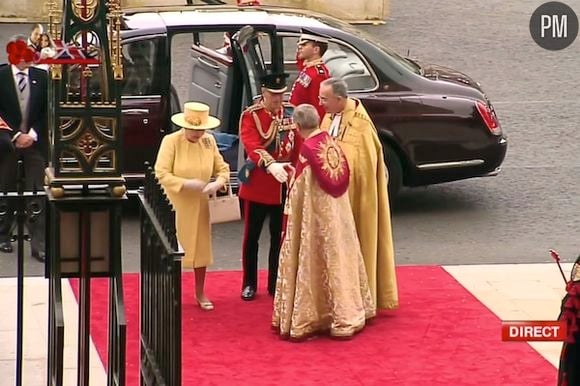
[441, 335]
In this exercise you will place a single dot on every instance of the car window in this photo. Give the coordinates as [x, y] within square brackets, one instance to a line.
[290, 46]
[265, 47]
[214, 40]
[342, 61]
[219, 41]
[254, 47]
[139, 63]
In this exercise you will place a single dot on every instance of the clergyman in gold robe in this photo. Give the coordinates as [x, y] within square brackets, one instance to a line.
[322, 284]
[348, 122]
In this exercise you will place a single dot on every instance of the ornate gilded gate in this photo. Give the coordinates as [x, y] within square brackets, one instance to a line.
[85, 186]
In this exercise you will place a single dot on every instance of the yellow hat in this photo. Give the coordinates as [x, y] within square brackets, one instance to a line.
[195, 116]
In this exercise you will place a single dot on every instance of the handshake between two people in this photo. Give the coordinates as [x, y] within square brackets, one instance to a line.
[281, 171]
[198, 185]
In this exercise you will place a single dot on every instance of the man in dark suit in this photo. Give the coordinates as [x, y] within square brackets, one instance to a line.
[23, 107]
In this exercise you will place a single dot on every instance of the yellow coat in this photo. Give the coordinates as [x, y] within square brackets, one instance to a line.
[359, 140]
[177, 161]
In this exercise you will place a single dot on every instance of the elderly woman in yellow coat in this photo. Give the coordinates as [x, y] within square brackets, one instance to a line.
[186, 162]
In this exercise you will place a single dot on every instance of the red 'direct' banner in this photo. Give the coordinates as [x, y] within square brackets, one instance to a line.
[533, 331]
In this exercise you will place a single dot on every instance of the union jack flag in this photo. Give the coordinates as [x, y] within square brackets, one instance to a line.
[69, 53]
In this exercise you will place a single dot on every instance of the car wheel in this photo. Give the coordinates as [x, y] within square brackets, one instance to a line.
[395, 171]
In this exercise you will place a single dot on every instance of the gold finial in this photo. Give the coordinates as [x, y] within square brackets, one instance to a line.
[114, 16]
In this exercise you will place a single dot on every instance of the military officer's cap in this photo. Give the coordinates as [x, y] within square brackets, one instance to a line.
[311, 36]
[275, 83]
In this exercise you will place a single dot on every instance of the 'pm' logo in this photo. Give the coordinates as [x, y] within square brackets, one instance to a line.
[554, 25]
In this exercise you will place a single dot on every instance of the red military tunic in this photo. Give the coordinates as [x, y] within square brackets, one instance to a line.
[267, 138]
[307, 85]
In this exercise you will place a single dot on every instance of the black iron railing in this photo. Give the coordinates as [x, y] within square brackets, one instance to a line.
[117, 333]
[16, 209]
[55, 333]
[160, 288]
[117, 320]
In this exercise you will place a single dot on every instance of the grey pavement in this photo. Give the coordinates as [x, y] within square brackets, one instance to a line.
[531, 206]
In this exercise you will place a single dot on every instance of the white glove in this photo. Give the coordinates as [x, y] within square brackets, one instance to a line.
[212, 187]
[194, 184]
[278, 171]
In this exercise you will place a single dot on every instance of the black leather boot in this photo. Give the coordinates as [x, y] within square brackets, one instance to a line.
[248, 293]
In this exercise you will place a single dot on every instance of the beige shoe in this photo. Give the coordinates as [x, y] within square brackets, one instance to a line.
[206, 305]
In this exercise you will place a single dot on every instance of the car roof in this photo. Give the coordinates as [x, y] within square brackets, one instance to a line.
[164, 19]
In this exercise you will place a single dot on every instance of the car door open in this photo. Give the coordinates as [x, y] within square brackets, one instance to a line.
[211, 82]
[247, 51]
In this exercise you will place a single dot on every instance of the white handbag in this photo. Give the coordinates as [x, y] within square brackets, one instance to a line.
[224, 208]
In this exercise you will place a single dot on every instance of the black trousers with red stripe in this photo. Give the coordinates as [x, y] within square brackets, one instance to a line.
[254, 216]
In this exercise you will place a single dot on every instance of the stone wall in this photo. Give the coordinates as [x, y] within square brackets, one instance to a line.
[356, 11]
[23, 11]
[365, 10]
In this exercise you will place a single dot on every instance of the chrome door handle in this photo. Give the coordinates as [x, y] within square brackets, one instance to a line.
[135, 111]
[208, 63]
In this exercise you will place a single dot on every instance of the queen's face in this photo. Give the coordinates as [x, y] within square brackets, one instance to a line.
[193, 135]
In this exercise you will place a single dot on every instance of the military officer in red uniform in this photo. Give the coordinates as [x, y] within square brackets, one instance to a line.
[271, 143]
[312, 71]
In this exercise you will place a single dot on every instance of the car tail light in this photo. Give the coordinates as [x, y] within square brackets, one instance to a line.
[489, 117]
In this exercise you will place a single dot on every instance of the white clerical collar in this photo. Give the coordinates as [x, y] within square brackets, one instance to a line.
[335, 125]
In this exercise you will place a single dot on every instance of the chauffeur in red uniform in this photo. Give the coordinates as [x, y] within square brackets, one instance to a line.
[272, 145]
[312, 70]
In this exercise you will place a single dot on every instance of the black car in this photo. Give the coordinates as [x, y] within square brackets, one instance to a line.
[436, 124]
